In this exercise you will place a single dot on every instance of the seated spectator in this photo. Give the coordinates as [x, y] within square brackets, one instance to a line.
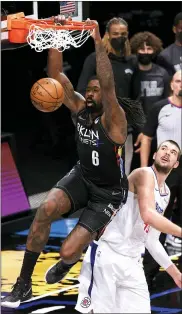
[171, 57]
[118, 48]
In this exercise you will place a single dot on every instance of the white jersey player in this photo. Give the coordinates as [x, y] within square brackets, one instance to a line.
[112, 278]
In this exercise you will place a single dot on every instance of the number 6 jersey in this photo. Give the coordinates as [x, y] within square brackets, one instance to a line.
[101, 160]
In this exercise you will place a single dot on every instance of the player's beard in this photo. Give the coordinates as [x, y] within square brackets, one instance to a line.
[95, 108]
[162, 169]
[92, 112]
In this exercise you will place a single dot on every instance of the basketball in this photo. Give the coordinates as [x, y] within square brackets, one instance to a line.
[47, 95]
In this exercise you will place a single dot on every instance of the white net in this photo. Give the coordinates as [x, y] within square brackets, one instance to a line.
[41, 39]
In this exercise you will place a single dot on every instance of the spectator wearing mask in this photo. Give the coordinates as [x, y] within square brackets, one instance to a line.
[165, 120]
[171, 57]
[150, 82]
[117, 46]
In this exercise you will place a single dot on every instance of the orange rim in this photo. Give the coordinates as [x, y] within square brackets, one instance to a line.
[25, 23]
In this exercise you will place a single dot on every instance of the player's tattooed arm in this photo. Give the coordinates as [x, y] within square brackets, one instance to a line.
[73, 100]
[114, 118]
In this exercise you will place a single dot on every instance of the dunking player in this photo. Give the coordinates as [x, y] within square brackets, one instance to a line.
[97, 183]
[112, 279]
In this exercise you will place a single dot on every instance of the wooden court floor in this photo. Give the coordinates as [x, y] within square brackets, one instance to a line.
[61, 297]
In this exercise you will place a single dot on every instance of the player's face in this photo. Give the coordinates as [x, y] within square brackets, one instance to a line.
[93, 96]
[176, 84]
[166, 158]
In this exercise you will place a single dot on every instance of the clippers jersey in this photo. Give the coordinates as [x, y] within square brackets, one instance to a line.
[101, 160]
[127, 233]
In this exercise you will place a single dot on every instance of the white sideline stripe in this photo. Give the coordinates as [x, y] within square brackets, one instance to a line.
[48, 309]
[51, 292]
[48, 294]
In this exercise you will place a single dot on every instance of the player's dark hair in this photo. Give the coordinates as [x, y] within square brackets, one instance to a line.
[134, 112]
[92, 78]
[175, 144]
[177, 19]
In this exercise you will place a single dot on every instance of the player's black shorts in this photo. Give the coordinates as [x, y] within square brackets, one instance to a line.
[100, 204]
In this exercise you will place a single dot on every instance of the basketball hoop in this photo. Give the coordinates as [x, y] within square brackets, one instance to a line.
[45, 34]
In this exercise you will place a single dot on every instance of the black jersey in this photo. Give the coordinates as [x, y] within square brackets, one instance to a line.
[101, 160]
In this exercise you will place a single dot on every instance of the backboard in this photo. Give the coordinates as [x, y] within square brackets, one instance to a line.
[30, 9]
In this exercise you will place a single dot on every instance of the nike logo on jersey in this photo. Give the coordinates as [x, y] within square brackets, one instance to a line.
[115, 193]
[81, 118]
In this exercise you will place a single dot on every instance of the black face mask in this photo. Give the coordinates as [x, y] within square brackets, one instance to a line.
[118, 43]
[179, 37]
[145, 58]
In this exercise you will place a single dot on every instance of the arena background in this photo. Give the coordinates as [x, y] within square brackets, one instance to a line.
[38, 149]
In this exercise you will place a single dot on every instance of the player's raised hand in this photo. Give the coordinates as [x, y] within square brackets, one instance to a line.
[95, 33]
[61, 19]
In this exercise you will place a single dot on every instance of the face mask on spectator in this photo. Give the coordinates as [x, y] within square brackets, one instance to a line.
[118, 43]
[145, 58]
[179, 37]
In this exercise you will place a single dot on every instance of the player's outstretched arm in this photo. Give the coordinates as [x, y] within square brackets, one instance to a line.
[144, 185]
[114, 118]
[73, 100]
[158, 252]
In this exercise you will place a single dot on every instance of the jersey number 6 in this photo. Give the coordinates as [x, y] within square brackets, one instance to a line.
[95, 158]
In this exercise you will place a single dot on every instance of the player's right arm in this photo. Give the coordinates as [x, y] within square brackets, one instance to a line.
[73, 100]
[159, 254]
[114, 118]
[143, 182]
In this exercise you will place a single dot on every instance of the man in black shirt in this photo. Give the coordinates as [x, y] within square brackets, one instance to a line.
[171, 57]
[150, 82]
[117, 47]
[97, 183]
